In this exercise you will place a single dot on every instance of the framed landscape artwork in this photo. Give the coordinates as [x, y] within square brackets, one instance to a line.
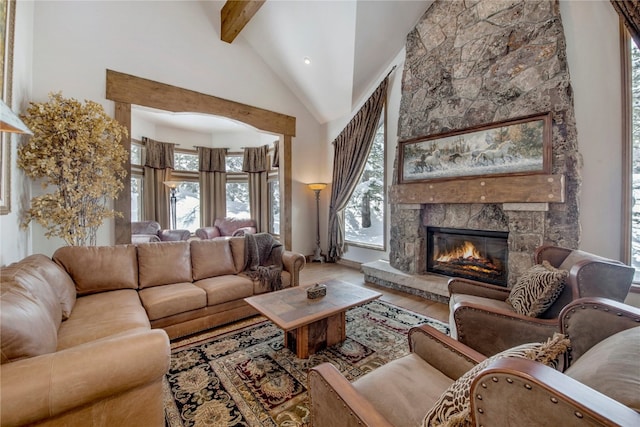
[7, 18]
[514, 147]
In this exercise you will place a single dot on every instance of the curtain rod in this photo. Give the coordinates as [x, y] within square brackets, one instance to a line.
[391, 71]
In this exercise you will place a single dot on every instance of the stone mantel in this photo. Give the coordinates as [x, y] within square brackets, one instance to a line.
[504, 189]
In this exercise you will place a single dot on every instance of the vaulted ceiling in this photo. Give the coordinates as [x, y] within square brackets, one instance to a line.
[349, 44]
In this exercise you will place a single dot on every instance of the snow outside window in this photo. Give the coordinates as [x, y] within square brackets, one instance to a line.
[364, 215]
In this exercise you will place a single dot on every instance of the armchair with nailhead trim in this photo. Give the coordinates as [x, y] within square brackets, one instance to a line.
[597, 384]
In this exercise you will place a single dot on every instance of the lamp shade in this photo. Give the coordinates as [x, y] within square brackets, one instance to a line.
[9, 122]
[171, 184]
[317, 186]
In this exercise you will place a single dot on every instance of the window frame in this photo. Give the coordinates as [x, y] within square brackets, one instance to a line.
[385, 203]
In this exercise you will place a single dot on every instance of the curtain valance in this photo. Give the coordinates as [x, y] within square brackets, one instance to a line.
[159, 155]
[212, 159]
[255, 159]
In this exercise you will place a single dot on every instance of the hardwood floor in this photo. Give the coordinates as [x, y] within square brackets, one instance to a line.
[316, 272]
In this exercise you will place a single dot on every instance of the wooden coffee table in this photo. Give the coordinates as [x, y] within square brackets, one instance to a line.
[311, 324]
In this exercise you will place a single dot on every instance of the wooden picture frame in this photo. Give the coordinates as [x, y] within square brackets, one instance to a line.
[7, 22]
[513, 147]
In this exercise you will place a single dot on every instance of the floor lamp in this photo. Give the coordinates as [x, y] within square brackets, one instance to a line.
[317, 188]
[173, 186]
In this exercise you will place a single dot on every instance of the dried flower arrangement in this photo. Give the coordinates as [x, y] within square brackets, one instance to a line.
[75, 147]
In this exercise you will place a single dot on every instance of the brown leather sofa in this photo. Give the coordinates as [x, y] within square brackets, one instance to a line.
[481, 317]
[598, 385]
[85, 334]
[225, 227]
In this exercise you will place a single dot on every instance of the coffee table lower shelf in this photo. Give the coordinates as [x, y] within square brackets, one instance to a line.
[309, 339]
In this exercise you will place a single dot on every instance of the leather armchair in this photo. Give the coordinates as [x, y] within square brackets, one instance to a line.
[224, 227]
[508, 391]
[149, 231]
[480, 316]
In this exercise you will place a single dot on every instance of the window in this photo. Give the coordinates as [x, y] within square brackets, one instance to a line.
[234, 163]
[364, 216]
[634, 75]
[137, 205]
[185, 170]
[274, 205]
[136, 197]
[238, 200]
[188, 206]
[185, 161]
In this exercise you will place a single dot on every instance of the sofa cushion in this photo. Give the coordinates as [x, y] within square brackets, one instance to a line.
[402, 380]
[612, 368]
[99, 268]
[454, 403]
[211, 258]
[102, 315]
[164, 301]
[164, 263]
[223, 289]
[57, 278]
[237, 249]
[537, 289]
[26, 327]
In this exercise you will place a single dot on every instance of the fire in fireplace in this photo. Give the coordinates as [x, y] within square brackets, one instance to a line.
[473, 254]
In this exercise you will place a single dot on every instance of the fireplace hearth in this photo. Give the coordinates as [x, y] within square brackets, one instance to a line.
[473, 254]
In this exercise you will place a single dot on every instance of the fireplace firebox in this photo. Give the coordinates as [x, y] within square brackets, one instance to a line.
[473, 254]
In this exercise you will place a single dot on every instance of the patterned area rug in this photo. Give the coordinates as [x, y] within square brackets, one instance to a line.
[242, 375]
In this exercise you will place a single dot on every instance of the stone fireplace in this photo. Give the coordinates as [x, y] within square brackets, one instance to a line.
[470, 64]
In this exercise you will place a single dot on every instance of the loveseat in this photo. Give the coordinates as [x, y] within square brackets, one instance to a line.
[85, 334]
[224, 227]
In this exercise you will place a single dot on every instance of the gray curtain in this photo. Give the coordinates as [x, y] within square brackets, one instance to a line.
[351, 149]
[213, 181]
[157, 169]
[255, 163]
[629, 11]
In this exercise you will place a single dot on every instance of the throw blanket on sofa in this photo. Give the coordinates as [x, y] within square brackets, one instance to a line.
[263, 259]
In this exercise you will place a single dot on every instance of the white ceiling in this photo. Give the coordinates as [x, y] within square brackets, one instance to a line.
[350, 43]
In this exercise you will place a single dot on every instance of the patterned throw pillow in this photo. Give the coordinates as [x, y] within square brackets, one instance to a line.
[453, 407]
[537, 289]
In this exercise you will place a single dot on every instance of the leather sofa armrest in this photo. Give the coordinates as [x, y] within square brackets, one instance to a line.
[476, 327]
[442, 352]
[244, 230]
[293, 262]
[587, 321]
[45, 386]
[520, 390]
[471, 287]
[334, 401]
[206, 233]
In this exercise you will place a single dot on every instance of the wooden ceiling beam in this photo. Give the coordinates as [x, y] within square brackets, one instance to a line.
[235, 14]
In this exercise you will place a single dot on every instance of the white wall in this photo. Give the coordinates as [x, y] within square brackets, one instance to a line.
[15, 242]
[171, 42]
[593, 52]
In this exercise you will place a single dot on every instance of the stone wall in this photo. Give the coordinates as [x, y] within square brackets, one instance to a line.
[471, 63]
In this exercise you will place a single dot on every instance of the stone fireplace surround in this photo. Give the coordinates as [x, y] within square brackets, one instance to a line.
[471, 63]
